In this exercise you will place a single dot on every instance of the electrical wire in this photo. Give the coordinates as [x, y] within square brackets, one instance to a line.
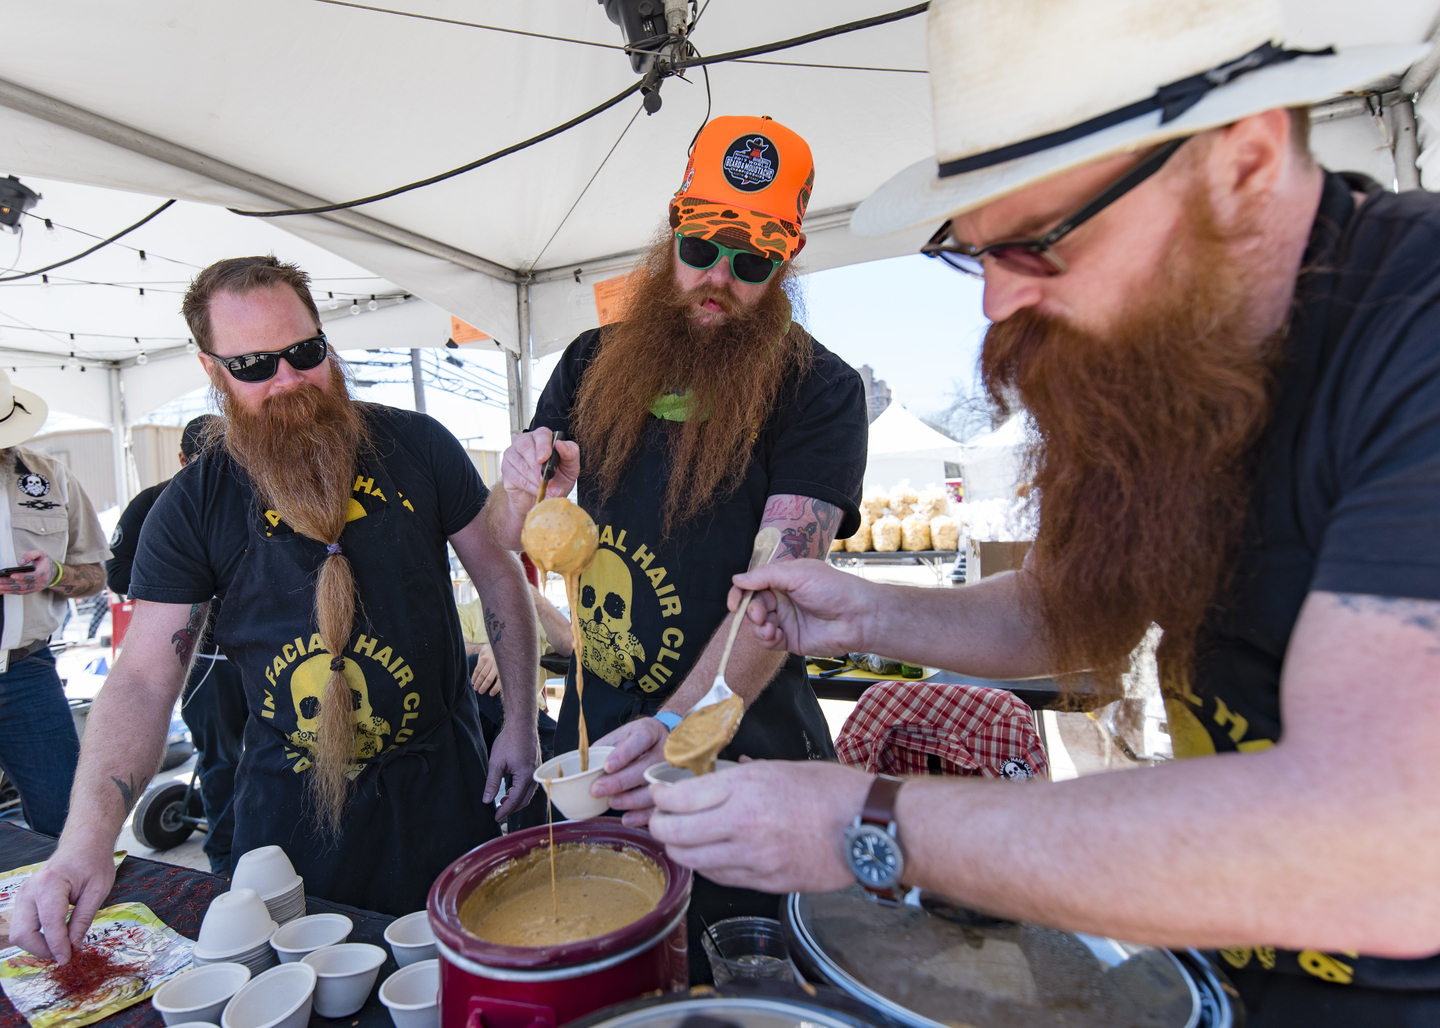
[51, 223]
[327, 208]
[837, 67]
[104, 242]
[588, 184]
[670, 69]
[469, 24]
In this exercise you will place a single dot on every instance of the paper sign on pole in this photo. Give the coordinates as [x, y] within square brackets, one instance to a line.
[612, 297]
[463, 333]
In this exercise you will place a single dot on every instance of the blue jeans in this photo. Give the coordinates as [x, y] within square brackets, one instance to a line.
[38, 744]
[214, 710]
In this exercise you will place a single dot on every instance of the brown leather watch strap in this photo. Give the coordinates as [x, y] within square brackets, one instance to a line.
[879, 806]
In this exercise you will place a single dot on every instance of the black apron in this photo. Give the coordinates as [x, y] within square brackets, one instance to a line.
[416, 803]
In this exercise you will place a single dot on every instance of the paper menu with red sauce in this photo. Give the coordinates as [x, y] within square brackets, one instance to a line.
[132, 954]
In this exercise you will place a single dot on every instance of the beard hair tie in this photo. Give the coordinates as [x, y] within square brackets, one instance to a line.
[332, 549]
[337, 664]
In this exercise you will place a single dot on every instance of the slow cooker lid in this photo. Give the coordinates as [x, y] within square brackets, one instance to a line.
[944, 966]
[720, 1011]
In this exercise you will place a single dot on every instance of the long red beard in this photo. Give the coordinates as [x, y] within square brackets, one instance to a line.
[1145, 459]
[733, 370]
[301, 451]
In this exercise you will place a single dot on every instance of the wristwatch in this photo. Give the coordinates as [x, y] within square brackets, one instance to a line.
[871, 847]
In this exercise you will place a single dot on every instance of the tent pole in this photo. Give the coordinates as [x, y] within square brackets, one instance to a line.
[1407, 147]
[117, 434]
[417, 381]
[512, 382]
[522, 318]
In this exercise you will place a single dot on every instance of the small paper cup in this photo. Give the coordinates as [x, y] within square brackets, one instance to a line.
[412, 995]
[667, 774]
[346, 975]
[279, 998]
[410, 938]
[199, 995]
[569, 788]
[305, 935]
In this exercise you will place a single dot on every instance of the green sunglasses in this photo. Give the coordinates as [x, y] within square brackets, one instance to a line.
[704, 254]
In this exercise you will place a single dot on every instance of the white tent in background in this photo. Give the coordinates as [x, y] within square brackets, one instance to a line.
[905, 449]
[991, 466]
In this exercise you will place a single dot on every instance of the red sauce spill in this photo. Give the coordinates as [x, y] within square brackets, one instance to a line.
[88, 969]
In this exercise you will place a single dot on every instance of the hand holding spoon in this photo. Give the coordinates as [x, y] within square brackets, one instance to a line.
[713, 722]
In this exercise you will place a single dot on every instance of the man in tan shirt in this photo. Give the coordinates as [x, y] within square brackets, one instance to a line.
[48, 528]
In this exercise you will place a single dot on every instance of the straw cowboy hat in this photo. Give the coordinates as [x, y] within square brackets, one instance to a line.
[21, 413]
[1025, 89]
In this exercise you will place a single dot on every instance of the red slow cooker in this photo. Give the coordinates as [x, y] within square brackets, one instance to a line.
[487, 985]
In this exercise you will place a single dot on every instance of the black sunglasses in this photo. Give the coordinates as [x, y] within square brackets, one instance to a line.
[1034, 257]
[261, 367]
[704, 254]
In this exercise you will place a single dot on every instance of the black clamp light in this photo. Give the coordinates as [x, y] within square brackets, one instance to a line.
[15, 199]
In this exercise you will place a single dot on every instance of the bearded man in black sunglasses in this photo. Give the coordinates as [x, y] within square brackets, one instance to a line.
[1229, 355]
[702, 416]
[321, 525]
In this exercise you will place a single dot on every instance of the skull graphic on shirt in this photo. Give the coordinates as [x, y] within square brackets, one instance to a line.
[606, 594]
[307, 690]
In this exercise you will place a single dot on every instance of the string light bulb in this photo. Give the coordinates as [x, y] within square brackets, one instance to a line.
[141, 260]
[332, 303]
[374, 304]
[72, 361]
[190, 346]
[355, 307]
[50, 232]
[141, 358]
[401, 298]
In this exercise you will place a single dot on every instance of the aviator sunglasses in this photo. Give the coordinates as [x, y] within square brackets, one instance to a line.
[1034, 257]
[261, 367]
[704, 254]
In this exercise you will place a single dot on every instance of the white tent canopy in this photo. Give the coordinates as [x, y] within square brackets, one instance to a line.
[903, 448]
[278, 103]
[991, 465]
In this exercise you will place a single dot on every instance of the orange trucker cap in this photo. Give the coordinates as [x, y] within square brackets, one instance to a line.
[746, 186]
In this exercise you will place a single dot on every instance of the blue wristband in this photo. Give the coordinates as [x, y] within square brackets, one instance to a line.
[669, 719]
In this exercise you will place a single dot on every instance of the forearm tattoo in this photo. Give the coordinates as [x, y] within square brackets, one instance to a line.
[494, 628]
[129, 791]
[80, 580]
[185, 639]
[807, 525]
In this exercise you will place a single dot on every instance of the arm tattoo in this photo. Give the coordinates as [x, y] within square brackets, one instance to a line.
[185, 639]
[1421, 614]
[807, 526]
[494, 628]
[129, 791]
[80, 580]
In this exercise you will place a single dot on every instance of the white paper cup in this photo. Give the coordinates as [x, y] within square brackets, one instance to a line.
[279, 998]
[236, 921]
[346, 975]
[410, 938]
[292, 941]
[267, 870]
[569, 788]
[667, 774]
[199, 995]
[412, 995]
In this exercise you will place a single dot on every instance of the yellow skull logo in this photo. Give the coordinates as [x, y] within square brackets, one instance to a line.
[307, 687]
[611, 649]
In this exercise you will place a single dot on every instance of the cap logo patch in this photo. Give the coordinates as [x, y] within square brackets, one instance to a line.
[751, 163]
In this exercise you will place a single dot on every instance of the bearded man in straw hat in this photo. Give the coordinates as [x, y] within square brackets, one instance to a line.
[703, 416]
[321, 525]
[1230, 358]
[56, 546]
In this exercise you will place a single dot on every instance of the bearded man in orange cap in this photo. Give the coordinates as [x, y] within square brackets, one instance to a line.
[1229, 356]
[703, 416]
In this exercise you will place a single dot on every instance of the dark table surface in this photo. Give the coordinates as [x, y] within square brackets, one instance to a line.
[179, 896]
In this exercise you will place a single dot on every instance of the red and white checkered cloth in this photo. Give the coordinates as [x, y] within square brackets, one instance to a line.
[918, 728]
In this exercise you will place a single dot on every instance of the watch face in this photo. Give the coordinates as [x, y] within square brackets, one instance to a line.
[874, 857]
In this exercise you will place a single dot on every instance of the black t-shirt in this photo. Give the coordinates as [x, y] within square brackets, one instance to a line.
[417, 803]
[648, 606]
[1347, 498]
